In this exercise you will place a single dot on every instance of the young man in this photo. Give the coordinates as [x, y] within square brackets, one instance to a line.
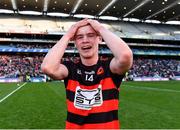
[92, 86]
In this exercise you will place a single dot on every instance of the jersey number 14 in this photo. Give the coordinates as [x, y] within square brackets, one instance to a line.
[89, 78]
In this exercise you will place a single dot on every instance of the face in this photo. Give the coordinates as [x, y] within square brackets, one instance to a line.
[87, 40]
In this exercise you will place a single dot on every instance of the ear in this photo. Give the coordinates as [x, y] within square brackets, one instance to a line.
[100, 38]
[74, 44]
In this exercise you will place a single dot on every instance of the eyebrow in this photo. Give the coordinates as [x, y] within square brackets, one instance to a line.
[85, 34]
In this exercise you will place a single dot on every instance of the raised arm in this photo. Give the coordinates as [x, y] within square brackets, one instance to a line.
[123, 56]
[52, 62]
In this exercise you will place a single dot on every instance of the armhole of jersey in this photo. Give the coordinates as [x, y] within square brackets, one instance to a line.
[68, 64]
[117, 79]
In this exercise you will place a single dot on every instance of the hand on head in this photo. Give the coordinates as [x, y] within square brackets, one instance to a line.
[93, 23]
[72, 31]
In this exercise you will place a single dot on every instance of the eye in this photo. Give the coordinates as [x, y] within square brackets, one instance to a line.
[91, 35]
[79, 37]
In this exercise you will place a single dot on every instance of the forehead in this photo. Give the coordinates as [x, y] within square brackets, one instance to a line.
[85, 29]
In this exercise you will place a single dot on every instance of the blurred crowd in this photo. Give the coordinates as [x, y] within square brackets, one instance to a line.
[32, 46]
[22, 65]
[36, 46]
[166, 68]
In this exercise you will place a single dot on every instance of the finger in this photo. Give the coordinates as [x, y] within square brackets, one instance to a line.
[84, 21]
[91, 21]
[81, 23]
[78, 25]
[75, 27]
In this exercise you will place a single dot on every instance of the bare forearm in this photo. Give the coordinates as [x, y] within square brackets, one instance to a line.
[123, 56]
[51, 64]
[55, 54]
[115, 44]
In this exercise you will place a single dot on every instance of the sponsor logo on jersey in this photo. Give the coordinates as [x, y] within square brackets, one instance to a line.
[100, 71]
[87, 99]
[91, 72]
[79, 71]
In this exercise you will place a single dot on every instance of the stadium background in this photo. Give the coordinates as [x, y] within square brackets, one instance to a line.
[28, 28]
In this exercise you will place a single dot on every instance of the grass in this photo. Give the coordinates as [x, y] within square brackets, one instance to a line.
[43, 105]
[150, 108]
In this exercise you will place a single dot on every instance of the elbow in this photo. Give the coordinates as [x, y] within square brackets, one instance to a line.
[126, 60]
[46, 69]
[128, 56]
[43, 68]
[123, 62]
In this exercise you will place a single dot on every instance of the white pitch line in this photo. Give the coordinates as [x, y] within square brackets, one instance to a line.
[154, 89]
[12, 92]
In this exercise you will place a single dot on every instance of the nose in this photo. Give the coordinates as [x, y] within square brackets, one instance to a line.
[85, 39]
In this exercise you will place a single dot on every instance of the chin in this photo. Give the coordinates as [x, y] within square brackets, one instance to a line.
[87, 56]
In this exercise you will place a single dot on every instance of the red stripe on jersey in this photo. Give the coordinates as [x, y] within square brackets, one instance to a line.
[72, 84]
[106, 83]
[108, 105]
[108, 125]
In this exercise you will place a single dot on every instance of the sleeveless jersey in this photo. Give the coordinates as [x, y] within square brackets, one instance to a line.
[92, 94]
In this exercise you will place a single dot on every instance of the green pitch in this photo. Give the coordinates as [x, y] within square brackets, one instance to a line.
[42, 105]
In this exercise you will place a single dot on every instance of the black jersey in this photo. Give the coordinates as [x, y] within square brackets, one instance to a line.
[92, 96]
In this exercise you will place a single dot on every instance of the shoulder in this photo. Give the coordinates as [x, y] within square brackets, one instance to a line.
[71, 63]
[72, 66]
[116, 78]
[105, 63]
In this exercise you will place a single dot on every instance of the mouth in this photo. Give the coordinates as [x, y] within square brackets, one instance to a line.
[85, 48]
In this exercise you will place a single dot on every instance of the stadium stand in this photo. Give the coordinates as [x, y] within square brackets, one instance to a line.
[23, 45]
[15, 66]
[164, 68]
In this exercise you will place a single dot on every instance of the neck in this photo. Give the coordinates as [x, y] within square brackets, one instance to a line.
[89, 61]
